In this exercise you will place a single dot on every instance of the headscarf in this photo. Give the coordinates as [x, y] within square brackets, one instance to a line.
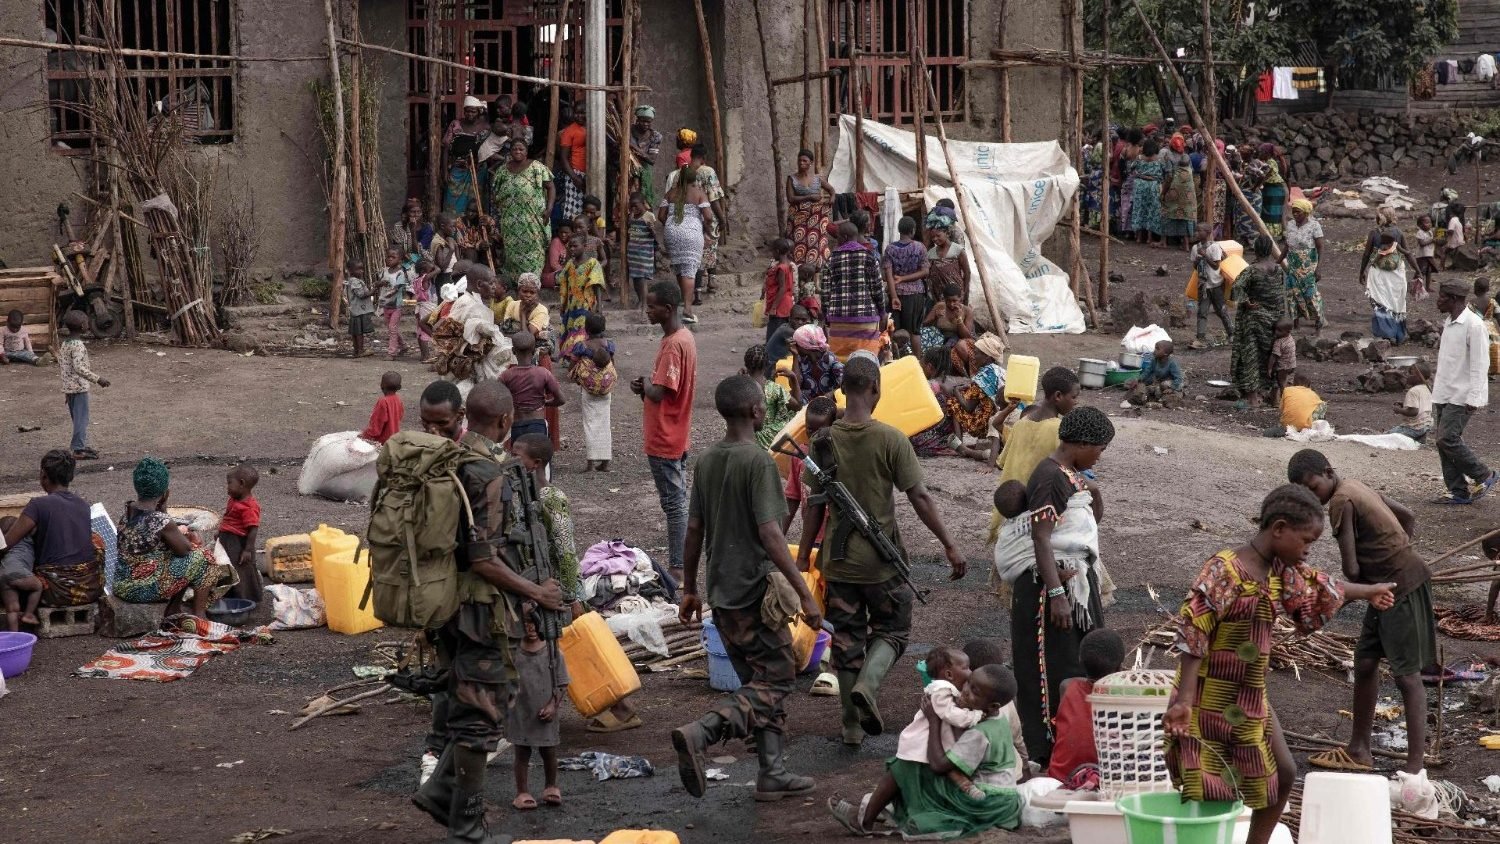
[1219, 145]
[811, 338]
[1455, 288]
[473, 102]
[645, 111]
[529, 280]
[1149, 128]
[866, 354]
[1177, 144]
[1303, 205]
[1086, 426]
[686, 137]
[936, 219]
[1266, 149]
[992, 346]
[1385, 217]
[150, 478]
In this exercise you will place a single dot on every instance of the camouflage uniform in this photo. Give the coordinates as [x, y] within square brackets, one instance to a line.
[860, 612]
[767, 668]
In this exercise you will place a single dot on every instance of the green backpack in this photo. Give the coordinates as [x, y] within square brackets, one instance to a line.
[413, 535]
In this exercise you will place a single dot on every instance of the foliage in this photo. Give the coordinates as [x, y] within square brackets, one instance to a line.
[1367, 39]
[314, 287]
[266, 292]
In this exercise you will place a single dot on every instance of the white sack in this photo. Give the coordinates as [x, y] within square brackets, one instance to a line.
[340, 466]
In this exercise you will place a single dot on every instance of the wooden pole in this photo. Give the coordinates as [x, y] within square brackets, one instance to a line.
[339, 196]
[475, 70]
[777, 188]
[805, 137]
[1210, 111]
[627, 159]
[1004, 80]
[965, 213]
[356, 142]
[434, 113]
[1072, 24]
[918, 89]
[475, 188]
[1213, 151]
[556, 77]
[819, 19]
[1104, 218]
[117, 260]
[856, 97]
[713, 91]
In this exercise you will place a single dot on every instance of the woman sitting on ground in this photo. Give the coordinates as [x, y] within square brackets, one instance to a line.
[973, 407]
[818, 371]
[159, 560]
[948, 325]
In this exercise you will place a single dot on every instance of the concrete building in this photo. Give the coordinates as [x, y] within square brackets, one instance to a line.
[257, 119]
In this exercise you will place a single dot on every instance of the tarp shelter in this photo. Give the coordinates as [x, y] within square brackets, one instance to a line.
[1017, 192]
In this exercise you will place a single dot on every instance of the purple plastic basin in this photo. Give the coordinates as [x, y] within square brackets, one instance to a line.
[15, 653]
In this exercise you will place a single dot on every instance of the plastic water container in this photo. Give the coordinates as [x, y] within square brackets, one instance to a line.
[600, 674]
[327, 541]
[820, 647]
[1022, 374]
[641, 836]
[341, 579]
[1165, 818]
[1338, 808]
[721, 674]
[804, 640]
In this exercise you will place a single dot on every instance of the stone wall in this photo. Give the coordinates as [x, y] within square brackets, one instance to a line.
[1325, 146]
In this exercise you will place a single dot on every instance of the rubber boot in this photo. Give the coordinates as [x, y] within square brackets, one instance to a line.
[879, 657]
[466, 811]
[691, 742]
[436, 795]
[774, 782]
[853, 733]
[426, 348]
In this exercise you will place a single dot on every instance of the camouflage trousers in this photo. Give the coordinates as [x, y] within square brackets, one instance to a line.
[763, 659]
[860, 612]
[471, 712]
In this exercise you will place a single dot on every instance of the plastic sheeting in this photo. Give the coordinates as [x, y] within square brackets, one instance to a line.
[1018, 192]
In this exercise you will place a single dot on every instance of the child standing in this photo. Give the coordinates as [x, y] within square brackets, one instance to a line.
[645, 244]
[594, 372]
[1223, 643]
[780, 288]
[361, 307]
[1374, 535]
[385, 419]
[73, 366]
[1281, 366]
[557, 253]
[581, 280]
[541, 680]
[238, 529]
[395, 281]
[532, 388]
[1427, 265]
[781, 403]
[807, 289]
[1074, 755]
[1034, 436]
[1205, 256]
[15, 341]
[821, 413]
[1417, 405]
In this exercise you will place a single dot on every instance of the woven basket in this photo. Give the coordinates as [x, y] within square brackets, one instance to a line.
[1128, 707]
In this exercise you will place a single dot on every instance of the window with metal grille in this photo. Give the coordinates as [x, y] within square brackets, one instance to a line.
[199, 92]
[879, 31]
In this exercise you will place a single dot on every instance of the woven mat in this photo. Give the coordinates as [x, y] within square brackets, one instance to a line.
[1467, 622]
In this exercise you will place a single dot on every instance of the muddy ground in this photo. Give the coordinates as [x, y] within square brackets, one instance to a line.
[92, 760]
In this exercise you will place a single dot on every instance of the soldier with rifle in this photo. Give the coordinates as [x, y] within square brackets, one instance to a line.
[869, 591]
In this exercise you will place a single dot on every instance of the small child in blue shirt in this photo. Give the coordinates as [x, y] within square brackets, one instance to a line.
[1160, 376]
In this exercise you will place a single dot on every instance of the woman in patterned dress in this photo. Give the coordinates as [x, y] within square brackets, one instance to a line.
[1223, 739]
[1303, 236]
[522, 195]
[810, 202]
[1259, 296]
[1145, 205]
[158, 560]
[1179, 197]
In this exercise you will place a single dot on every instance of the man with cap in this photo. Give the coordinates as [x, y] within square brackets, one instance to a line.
[1459, 388]
[645, 146]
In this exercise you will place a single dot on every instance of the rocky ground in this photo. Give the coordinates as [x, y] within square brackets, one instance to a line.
[125, 761]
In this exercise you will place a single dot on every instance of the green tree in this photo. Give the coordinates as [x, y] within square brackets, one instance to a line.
[1365, 40]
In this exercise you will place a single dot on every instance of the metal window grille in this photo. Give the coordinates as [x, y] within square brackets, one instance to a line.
[200, 92]
[879, 28]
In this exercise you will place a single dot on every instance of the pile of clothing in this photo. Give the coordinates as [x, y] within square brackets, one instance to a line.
[617, 578]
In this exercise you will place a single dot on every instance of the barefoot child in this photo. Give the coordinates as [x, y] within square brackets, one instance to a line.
[361, 307]
[1281, 366]
[736, 509]
[1075, 759]
[15, 341]
[645, 243]
[542, 679]
[18, 562]
[781, 403]
[532, 388]
[1374, 535]
[1160, 375]
[921, 797]
[67, 570]
[1416, 407]
[238, 529]
[395, 281]
[73, 366]
[1427, 265]
[594, 373]
[1223, 643]
[385, 419]
[780, 292]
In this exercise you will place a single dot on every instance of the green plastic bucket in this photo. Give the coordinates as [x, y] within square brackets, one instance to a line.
[1165, 818]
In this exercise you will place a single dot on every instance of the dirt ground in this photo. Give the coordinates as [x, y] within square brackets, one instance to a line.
[120, 761]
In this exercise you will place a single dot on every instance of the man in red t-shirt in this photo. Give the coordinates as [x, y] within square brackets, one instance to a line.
[668, 411]
[385, 419]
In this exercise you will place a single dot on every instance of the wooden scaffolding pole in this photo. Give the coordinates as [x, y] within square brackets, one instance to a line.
[918, 94]
[1197, 117]
[1109, 148]
[556, 78]
[1083, 286]
[626, 157]
[856, 97]
[714, 114]
[1004, 80]
[805, 137]
[338, 196]
[819, 19]
[1210, 112]
[777, 187]
[356, 141]
[476, 70]
[434, 112]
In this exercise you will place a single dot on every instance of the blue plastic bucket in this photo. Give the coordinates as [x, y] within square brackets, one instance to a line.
[721, 674]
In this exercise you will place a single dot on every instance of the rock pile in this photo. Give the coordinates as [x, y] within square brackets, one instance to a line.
[1323, 146]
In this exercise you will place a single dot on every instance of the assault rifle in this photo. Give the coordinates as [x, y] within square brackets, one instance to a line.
[854, 517]
[529, 533]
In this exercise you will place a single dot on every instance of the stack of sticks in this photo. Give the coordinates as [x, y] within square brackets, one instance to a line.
[684, 644]
[1317, 651]
[1480, 572]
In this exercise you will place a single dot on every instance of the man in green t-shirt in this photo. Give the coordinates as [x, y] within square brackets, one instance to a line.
[735, 509]
[869, 604]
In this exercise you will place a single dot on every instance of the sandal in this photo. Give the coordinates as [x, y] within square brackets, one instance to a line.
[847, 814]
[1338, 759]
[552, 796]
[523, 803]
[827, 685]
[607, 722]
[82, 454]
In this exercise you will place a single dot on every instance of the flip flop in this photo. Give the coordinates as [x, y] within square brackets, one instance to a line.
[827, 685]
[847, 814]
[1453, 500]
[552, 796]
[1338, 759]
[523, 803]
[606, 722]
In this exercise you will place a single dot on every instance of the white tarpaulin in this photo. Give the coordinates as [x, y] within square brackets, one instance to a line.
[1017, 192]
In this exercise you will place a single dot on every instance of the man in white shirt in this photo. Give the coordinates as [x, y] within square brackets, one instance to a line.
[1460, 387]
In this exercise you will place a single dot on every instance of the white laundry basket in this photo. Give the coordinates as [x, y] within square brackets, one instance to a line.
[1128, 707]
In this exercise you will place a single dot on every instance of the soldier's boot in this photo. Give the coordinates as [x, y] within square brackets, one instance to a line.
[774, 781]
[853, 733]
[466, 811]
[691, 742]
[879, 657]
[435, 795]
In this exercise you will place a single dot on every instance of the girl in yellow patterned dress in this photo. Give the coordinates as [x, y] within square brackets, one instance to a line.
[1223, 740]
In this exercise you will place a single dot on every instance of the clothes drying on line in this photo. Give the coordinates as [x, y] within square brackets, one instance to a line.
[1484, 67]
[1281, 84]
